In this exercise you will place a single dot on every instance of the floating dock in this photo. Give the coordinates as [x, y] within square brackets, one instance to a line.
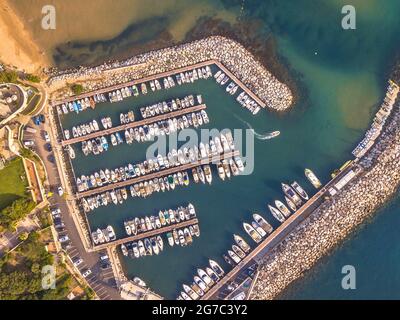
[163, 75]
[158, 174]
[134, 124]
[148, 234]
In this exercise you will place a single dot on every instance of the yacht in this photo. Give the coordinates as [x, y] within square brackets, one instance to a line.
[128, 228]
[291, 204]
[258, 228]
[239, 252]
[300, 190]
[262, 223]
[291, 194]
[282, 208]
[313, 178]
[221, 171]
[241, 243]
[135, 249]
[124, 250]
[252, 232]
[276, 213]
[160, 243]
[200, 283]
[205, 277]
[212, 274]
[170, 238]
[208, 173]
[217, 268]
[193, 295]
[234, 256]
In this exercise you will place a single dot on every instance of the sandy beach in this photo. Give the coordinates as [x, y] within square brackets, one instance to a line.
[18, 49]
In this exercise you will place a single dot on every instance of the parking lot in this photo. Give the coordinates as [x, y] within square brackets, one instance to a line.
[100, 276]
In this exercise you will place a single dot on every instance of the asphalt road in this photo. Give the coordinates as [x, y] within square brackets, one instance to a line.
[101, 279]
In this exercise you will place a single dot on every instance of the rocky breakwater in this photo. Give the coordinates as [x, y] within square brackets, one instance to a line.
[336, 218]
[231, 54]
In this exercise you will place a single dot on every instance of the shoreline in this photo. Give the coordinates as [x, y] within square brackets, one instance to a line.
[336, 218]
[21, 51]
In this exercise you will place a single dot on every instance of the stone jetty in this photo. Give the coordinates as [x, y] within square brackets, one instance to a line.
[337, 217]
[232, 55]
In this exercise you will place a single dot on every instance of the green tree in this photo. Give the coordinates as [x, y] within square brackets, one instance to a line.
[8, 76]
[32, 78]
[23, 236]
[77, 89]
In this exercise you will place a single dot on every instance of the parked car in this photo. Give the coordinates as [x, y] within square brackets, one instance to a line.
[77, 261]
[60, 191]
[105, 266]
[56, 216]
[55, 211]
[59, 225]
[51, 158]
[48, 147]
[104, 257]
[63, 239]
[42, 118]
[87, 273]
[29, 143]
[36, 120]
[46, 137]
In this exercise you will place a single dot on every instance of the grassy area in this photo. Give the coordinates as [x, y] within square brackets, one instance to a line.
[13, 183]
[32, 104]
[21, 271]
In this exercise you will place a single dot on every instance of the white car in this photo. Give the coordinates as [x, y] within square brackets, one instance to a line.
[104, 257]
[63, 239]
[60, 191]
[56, 211]
[56, 216]
[77, 262]
[46, 137]
[87, 273]
[29, 143]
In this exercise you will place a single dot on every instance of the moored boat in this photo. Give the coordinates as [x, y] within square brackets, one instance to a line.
[217, 268]
[300, 190]
[241, 243]
[282, 208]
[252, 232]
[312, 178]
[291, 204]
[291, 194]
[263, 223]
[276, 213]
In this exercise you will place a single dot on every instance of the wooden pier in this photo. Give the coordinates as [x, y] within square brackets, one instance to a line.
[276, 237]
[158, 174]
[134, 124]
[148, 234]
[163, 75]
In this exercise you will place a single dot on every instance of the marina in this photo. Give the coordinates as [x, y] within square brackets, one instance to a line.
[163, 173]
[293, 197]
[151, 176]
[147, 234]
[133, 125]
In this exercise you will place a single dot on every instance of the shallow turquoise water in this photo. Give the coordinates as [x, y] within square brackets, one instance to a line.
[343, 75]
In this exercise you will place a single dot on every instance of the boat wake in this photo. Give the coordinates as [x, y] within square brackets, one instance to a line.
[259, 136]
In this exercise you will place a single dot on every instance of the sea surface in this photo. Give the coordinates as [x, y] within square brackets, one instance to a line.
[341, 76]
